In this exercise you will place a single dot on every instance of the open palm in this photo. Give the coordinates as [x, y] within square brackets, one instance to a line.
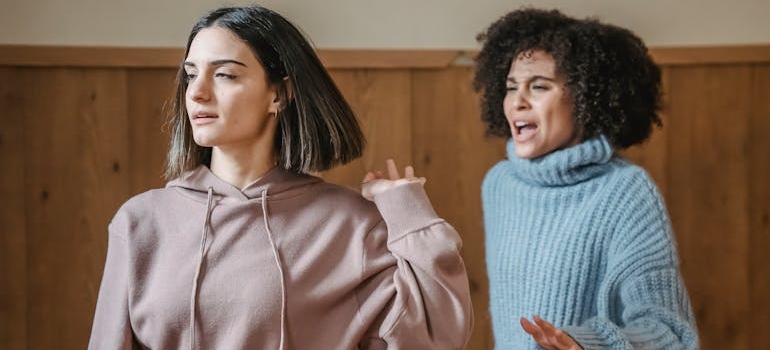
[375, 182]
[548, 336]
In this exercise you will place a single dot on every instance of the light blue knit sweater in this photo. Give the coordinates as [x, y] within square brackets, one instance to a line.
[581, 238]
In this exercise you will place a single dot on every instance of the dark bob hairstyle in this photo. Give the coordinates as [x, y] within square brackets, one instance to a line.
[316, 128]
[613, 82]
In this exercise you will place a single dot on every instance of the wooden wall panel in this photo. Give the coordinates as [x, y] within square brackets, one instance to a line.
[757, 148]
[149, 102]
[708, 196]
[382, 101]
[452, 153]
[74, 132]
[13, 234]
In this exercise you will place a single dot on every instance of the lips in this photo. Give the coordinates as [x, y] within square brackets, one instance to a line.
[199, 118]
[199, 115]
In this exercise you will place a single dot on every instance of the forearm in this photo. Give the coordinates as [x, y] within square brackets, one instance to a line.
[432, 293]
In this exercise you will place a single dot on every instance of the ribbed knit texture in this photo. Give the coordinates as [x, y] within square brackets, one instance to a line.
[581, 238]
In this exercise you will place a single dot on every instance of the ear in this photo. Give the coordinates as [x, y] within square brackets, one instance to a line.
[283, 95]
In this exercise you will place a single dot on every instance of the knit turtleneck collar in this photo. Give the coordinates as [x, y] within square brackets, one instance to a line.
[563, 167]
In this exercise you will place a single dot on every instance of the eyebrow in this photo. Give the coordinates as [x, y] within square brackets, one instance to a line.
[532, 78]
[217, 63]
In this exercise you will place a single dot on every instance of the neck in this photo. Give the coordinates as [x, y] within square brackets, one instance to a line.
[241, 167]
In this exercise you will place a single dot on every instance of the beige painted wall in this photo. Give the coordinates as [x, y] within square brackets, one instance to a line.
[367, 24]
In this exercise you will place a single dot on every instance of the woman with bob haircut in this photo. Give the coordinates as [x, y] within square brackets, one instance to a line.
[244, 248]
[577, 238]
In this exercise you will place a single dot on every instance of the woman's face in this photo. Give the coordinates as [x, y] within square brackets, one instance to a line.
[229, 101]
[538, 106]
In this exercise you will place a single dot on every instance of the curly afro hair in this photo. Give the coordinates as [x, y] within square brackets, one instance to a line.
[611, 78]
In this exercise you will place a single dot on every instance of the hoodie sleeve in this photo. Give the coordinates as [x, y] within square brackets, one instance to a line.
[111, 327]
[423, 295]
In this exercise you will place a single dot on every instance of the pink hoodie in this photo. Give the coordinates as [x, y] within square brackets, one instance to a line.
[289, 262]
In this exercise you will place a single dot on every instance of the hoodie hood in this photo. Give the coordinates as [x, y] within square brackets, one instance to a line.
[276, 183]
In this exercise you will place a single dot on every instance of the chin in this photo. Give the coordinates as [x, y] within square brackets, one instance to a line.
[525, 155]
[203, 142]
[524, 152]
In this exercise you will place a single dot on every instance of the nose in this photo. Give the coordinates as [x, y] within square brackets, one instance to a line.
[520, 101]
[199, 89]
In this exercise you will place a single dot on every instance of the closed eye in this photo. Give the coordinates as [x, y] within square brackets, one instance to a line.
[225, 75]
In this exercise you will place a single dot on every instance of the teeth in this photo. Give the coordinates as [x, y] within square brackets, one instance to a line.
[520, 124]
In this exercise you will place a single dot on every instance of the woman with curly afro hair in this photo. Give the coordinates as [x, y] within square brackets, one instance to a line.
[577, 238]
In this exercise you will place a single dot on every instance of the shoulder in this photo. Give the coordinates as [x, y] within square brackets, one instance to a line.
[142, 205]
[146, 200]
[632, 181]
[339, 198]
[340, 192]
[639, 208]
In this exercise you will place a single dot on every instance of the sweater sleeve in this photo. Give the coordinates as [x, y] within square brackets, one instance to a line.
[643, 286]
[111, 326]
[422, 294]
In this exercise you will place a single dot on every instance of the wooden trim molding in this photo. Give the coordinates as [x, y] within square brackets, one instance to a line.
[388, 58]
[143, 57]
[84, 56]
[711, 54]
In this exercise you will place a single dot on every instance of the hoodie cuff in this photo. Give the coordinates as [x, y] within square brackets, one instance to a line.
[406, 208]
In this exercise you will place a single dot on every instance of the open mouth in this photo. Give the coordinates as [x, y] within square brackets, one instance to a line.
[523, 128]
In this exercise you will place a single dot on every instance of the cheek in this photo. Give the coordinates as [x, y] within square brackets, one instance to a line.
[565, 125]
[558, 110]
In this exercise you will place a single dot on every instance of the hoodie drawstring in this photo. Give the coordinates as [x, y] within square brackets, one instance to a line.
[202, 253]
[196, 281]
[277, 256]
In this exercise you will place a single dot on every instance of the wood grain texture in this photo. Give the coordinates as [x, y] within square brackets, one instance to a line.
[708, 196]
[757, 150]
[149, 102]
[75, 131]
[13, 216]
[390, 59]
[451, 152]
[90, 57]
[143, 57]
[381, 100]
[709, 55]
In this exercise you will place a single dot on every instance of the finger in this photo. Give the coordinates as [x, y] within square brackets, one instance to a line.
[536, 333]
[564, 341]
[555, 335]
[544, 325]
[392, 170]
[531, 329]
[409, 172]
[368, 177]
[547, 329]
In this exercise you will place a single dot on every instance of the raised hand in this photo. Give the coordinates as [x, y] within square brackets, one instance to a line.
[548, 336]
[375, 182]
